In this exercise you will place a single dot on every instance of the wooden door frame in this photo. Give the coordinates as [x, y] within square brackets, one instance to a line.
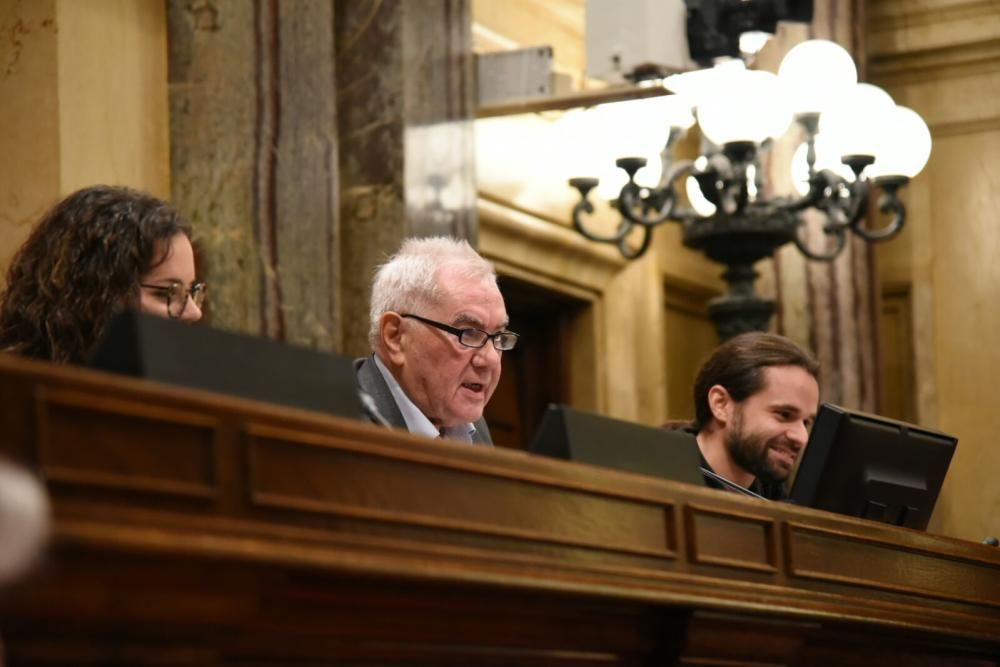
[548, 254]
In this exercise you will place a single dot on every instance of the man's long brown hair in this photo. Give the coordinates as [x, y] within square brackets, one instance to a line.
[81, 264]
[738, 365]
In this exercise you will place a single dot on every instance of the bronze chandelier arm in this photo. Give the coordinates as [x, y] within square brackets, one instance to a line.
[818, 185]
[634, 253]
[674, 171]
[857, 202]
[585, 207]
[840, 239]
[889, 202]
[631, 199]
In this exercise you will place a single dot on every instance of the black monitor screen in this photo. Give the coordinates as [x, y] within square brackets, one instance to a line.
[586, 437]
[198, 356]
[872, 467]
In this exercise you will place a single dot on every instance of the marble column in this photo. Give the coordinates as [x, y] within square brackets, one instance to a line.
[405, 108]
[253, 127]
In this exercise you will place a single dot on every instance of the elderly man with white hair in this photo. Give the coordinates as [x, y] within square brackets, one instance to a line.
[438, 331]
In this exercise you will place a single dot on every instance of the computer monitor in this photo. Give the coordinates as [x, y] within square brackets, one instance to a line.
[576, 435]
[198, 356]
[872, 467]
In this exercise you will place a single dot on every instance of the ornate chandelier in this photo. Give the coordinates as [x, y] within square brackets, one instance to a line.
[856, 140]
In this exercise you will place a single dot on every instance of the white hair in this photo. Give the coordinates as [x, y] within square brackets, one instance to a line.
[407, 282]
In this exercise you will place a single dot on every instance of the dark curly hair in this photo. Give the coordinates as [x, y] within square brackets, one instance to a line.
[738, 365]
[81, 265]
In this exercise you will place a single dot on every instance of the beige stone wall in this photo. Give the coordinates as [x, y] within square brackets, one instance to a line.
[942, 58]
[83, 100]
[29, 118]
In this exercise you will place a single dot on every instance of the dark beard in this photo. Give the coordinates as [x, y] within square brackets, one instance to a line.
[749, 451]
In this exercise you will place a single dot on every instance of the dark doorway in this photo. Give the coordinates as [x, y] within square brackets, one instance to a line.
[537, 371]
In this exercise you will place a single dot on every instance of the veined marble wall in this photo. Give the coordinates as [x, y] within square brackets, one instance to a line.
[309, 138]
[405, 103]
[254, 146]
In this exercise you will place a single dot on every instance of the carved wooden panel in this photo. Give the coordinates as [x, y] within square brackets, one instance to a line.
[689, 337]
[883, 565]
[899, 387]
[292, 472]
[317, 540]
[122, 444]
[730, 539]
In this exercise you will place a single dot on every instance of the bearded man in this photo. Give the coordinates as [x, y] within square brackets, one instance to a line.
[755, 402]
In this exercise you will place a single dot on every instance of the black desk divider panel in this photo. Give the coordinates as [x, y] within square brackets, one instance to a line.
[200, 357]
[872, 467]
[566, 433]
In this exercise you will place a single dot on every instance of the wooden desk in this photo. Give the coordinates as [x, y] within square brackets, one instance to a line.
[193, 529]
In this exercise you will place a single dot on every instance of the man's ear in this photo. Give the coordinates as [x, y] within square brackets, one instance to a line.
[390, 331]
[720, 403]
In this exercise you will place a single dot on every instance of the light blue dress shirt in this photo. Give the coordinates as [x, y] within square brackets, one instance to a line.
[416, 421]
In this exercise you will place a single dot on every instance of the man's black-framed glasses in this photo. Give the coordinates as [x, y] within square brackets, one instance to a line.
[476, 338]
[177, 297]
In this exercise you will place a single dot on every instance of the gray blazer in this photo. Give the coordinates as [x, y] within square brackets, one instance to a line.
[371, 382]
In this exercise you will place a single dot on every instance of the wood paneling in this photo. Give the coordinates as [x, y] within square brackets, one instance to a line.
[550, 259]
[898, 377]
[539, 370]
[297, 474]
[80, 442]
[876, 565]
[328, 541]
[689, 338]
[731, 540]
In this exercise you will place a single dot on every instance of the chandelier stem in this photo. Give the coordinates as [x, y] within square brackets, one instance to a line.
[740, 279]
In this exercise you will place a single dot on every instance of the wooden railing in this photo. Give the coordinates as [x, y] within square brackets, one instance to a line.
[196, 529]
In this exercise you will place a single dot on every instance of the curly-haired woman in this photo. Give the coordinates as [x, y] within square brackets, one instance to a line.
[99, 251]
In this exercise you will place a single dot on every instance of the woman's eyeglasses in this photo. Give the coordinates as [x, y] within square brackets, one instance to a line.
[177, 297]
